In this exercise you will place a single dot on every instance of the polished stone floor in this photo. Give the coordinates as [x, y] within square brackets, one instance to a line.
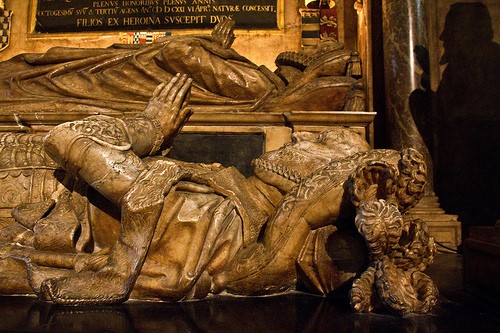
[297, 312]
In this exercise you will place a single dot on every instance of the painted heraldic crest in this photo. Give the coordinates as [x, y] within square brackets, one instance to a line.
[5, 19]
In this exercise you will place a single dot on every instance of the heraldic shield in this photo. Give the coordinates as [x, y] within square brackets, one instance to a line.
[5, 19]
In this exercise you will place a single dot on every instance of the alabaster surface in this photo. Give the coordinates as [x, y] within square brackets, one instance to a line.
[293, 226]
[121, 78]
[100, 216]
[159, 229]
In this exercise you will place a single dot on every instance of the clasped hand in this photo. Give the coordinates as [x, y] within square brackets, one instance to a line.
[169, 105]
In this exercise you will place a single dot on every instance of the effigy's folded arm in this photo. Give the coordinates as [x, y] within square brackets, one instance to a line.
[102, 152]
[105, 152]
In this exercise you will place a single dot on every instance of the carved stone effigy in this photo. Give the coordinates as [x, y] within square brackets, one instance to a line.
[118, 221]
[377, 188]
[92, 80]
[200, 207]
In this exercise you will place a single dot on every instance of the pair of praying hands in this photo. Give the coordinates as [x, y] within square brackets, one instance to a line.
[168, 107]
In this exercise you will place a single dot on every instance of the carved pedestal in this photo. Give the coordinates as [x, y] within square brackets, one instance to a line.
[445, 228]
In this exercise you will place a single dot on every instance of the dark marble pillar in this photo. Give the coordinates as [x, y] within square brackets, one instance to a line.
[405, 36]
[408, 98]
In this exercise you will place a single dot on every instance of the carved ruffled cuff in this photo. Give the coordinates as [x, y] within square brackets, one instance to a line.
[159, 138]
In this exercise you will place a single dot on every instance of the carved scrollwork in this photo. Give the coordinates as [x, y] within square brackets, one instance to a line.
[399, 249]
[107, 131]
[399, 252]
[371, 181]
[412, 179]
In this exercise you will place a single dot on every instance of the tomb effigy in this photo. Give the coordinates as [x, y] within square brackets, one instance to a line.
[122, 78]
[101, 216]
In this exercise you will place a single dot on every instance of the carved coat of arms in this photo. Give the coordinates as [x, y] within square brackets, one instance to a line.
[5, 24]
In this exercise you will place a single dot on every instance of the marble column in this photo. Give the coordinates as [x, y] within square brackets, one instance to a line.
[404, 28]
[405, 42]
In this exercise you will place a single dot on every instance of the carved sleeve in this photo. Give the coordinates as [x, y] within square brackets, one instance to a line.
[220, 71]
[100, 151]
[145, 134]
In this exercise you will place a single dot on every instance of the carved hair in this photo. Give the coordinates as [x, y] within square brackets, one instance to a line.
[381, 224]
[412, 179]
[371, 181]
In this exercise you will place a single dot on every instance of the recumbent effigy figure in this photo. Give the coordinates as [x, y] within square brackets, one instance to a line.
[92, 80]
[189, 230]
[124, 222]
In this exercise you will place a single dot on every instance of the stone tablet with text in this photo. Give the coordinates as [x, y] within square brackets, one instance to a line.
[53, 16]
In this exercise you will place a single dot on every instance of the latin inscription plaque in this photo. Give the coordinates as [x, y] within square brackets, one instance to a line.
[54, 16]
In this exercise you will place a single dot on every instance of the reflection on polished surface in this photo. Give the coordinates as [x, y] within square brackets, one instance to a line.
[285, 313]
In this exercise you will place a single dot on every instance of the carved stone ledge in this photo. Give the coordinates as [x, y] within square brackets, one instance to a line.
[445, 228]
[216, 122]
